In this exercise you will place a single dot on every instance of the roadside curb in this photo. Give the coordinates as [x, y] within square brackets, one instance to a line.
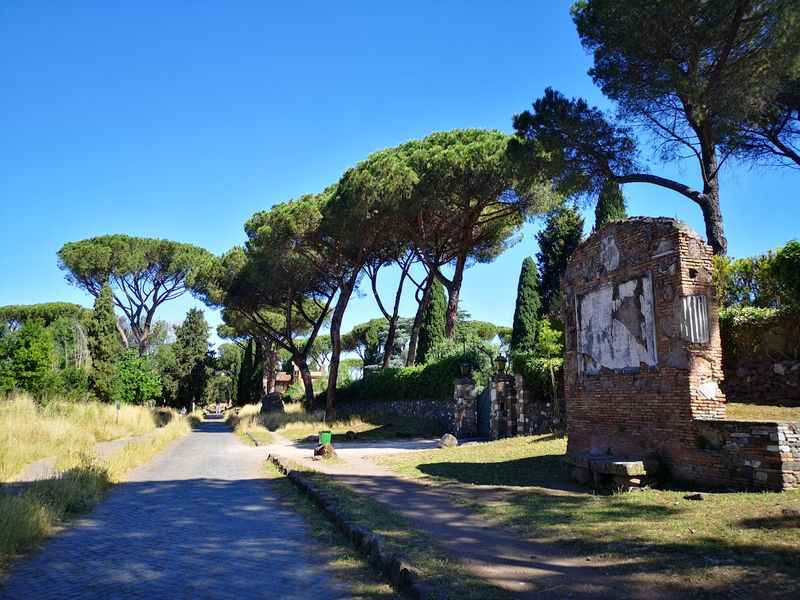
[252, 439]
[371, 545]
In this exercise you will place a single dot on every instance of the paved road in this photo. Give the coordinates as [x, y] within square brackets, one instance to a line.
[196, 522]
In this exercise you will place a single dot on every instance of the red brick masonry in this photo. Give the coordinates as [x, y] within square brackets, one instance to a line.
[643, 368]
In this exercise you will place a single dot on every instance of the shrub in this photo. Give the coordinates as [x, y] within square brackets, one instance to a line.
[753, 333]
[433, 381]
[785, 270]
[543, 376]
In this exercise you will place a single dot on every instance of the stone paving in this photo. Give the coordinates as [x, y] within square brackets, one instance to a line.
[196, 522]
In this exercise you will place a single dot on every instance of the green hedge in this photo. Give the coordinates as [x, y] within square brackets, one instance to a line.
[750, 333]
[433, 381]
[544, 377]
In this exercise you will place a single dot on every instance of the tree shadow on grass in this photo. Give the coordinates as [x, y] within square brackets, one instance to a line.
[542, 471]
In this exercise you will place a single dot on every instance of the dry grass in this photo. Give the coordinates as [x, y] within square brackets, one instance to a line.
[43, 507]
[29, 432]
[704, 548]
[297, 424]
[757, 412]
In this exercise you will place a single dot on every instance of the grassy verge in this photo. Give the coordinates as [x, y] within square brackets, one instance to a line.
[297, 424]
[447, 577]
[44, 506]
[346, 563]
[757, 412]
[30, 432]
[726, 541]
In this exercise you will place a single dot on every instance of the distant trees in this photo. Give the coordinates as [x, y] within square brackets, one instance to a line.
[26, 358]
[557, 241]
[527, 308]
[143, 274]
[191, 357]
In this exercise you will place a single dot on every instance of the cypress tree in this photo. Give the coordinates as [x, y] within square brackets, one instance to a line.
[433, 323]
[256, 384]
[526, 312]
[557, 241]
[610, 205]
[191, 352]
[105, 345]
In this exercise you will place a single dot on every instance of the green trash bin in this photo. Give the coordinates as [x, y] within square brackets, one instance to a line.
[324, 437]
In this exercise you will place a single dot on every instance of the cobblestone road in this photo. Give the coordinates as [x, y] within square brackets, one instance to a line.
[196, 522]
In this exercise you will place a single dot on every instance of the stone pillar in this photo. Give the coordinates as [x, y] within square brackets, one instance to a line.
[521, 407]
[465, 418]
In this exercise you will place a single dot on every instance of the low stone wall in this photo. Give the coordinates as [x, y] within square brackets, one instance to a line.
[763, 382]
[743, 454]
[456, 416]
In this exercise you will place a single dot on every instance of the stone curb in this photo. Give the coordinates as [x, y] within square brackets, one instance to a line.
[372, 546]
[252, 439]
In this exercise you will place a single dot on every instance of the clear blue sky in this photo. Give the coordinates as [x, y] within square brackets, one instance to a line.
[181, 119]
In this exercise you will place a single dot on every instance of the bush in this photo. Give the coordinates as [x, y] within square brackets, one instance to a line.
[785, 270]
[433, 381]
[753, 333]
[543, 376]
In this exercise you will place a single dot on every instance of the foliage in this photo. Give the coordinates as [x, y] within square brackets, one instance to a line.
[135, 381]
[557, 241]
[15, 315]
[610, 205]
[755, 333]
[432, 330]
[191, 353]
[229, 361]
[142, 272]
[766, 280]
[689, 96]
[526, 311]
[365, 340]
[785, 269]
[543, 376]
[104, 343]
[26, 358]
[482, 330]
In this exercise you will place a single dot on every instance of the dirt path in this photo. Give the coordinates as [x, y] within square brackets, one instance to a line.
[198, 521]
[527, 568]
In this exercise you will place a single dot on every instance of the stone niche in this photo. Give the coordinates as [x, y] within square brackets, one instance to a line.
[643, 367]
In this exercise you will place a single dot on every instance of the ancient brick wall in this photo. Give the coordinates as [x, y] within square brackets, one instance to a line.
[643, 361]
[634, 379]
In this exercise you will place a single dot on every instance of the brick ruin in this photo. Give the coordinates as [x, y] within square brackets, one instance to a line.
[643, 367]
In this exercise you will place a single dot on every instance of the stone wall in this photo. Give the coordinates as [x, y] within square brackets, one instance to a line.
[765, 381]
[515, 410]
[456, 416]
[747, 454]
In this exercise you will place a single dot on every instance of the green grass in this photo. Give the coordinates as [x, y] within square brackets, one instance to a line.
[297, 425]
[347, 564]
[448, 577]
[757, 412]
[727, 539]
[43, 507]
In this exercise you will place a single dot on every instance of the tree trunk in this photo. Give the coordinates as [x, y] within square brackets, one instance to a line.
[336, 344]
[422, 305]
[390, 335]
[308, 383]
[270, 364]
[712, 215]
[453, 291]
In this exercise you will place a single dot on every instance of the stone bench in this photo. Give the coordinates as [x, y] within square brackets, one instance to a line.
[609, 473]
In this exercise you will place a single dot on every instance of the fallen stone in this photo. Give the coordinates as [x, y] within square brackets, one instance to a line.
[325, 451]
[448, 441]
[697, 496]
